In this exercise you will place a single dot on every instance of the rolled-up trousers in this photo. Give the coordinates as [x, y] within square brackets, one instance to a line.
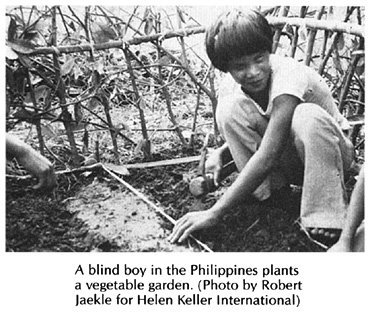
[317, 154]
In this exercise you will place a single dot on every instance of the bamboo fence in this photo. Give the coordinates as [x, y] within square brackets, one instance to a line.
[282, 24]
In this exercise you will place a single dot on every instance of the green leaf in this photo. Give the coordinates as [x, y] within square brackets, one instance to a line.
[93, 103]
[148, 27]
[164, 61]
[67, 66]
[12, 30]
[340, 42]
[72, 26]
[25, 61]
[22, 47]
[142, 103]
[303, 33]
[10, 54]
[119, 169]
[181, 15]
[102, 33]
[48, 131]
[41, 94]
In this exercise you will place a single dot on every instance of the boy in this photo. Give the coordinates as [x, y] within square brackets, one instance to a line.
[276, 116]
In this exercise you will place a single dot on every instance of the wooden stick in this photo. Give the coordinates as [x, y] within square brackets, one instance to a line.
[151, 204]
[334, 26]
[181, 160]
[311, 38]
[350, 28]
[275, 42]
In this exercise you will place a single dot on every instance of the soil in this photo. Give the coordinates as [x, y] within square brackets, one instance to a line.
[91, 211]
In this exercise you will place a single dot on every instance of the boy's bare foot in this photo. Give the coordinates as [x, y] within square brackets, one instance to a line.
[324, 235]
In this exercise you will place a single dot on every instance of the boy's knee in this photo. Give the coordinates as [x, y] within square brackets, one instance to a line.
[308, 118]
[237, 113]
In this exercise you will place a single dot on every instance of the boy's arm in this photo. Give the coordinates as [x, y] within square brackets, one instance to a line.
[354, 217]
[260, 164]
[216, 160]
[32, 161]
[252, 175]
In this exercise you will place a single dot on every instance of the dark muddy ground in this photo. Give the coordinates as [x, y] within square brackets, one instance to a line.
[40, 222]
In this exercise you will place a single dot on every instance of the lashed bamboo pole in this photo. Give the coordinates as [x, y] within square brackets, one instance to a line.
[293, 46]
[144, 131]
[276, 39]
[324, 44]
[166, 93]
[194, 126]
[60, 90]
[311, 38]
[181, 39]
[213, 101]
[334, 26]
[335, 41]
[88, 30]
[349, 28]
[38, 120]
[348, 77]
[113, 132]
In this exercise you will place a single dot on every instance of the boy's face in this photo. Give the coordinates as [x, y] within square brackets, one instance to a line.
[252, 72]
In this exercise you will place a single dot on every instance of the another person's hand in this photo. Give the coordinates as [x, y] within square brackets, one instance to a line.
[214, 165]
[191, 222]
[32, 161]
[40, 167]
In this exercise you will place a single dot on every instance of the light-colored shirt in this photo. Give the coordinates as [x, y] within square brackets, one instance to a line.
[288, 76]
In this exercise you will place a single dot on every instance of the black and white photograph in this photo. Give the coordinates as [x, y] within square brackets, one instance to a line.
[244, 129]
[193, 156]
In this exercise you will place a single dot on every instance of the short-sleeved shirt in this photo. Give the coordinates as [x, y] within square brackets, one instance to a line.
[288, 76]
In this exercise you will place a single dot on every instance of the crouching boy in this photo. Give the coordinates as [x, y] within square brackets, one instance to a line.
[277, 116]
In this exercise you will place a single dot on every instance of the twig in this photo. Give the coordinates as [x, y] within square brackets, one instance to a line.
[64, 21]
[252, 225]
[151, 204]
[69, 171]
[53, 155]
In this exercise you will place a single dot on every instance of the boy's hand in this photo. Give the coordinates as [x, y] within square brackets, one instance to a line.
[192, 221]
[214, 165]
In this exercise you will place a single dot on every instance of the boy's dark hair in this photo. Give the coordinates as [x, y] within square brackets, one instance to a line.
[235, 34]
